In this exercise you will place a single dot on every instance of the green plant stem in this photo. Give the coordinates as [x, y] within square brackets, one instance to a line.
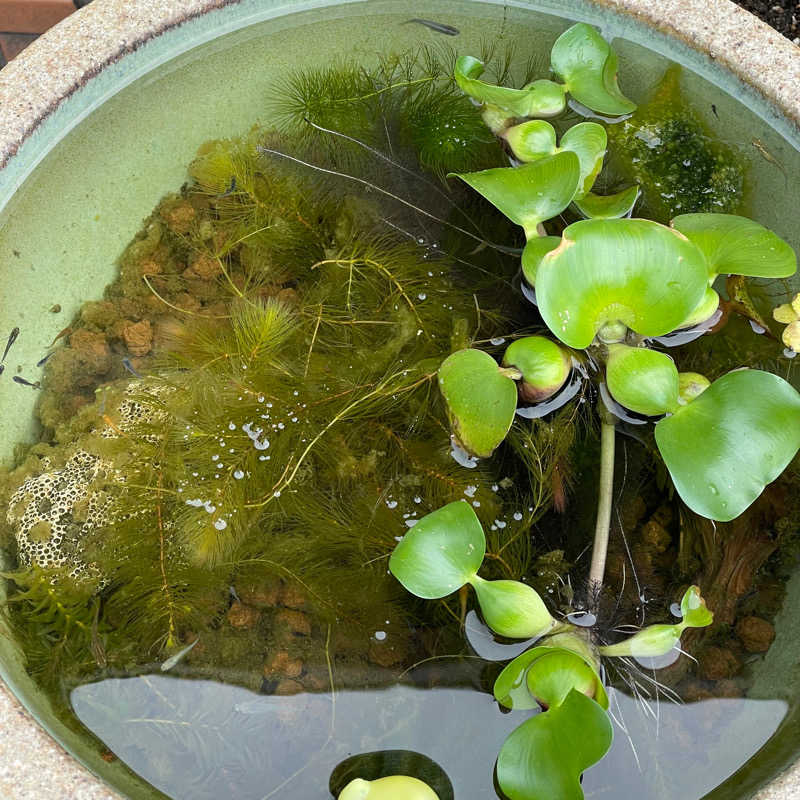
[605, 496]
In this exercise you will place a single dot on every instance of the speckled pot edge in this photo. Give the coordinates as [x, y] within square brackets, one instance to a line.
[34, 85]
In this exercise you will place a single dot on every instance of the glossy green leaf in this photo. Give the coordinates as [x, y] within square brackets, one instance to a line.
[536, 139]
[441, 553]
[544, 365]
[480, 400]
[658, 640]
[610, 206]
[544, 758]
[542, 98]
[694, 610]
[725, 446]
[512, 608]
[737, 245]
[531, 140]
[535, 250]
[643, 380]
[588, 66]
[588, 141]
[553, 676]
[511, 689]
[690, 386]
[708, 305]
[530, 193]
[633, 271]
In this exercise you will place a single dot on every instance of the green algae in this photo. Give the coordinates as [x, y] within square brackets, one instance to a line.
[680, 166]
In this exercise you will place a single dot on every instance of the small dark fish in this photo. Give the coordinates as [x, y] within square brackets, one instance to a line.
[12, 337]
[447, 30]
[2, 368]
[24, 382]
[42, 361]
[231, 189]
[126, 362]
[714, 109]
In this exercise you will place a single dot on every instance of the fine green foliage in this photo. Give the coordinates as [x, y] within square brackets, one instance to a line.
[545, 757]
[634, 271]
[588, 66]
[643, 380]
[755, 419]
[480, 400]
[737, 246]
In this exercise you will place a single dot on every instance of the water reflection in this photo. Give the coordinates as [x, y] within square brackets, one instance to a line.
[203, 739]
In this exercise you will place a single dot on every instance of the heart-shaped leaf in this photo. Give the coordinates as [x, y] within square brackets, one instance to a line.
[694, 610]
[725, 446]
[737, 245]
[609, 206]
[512, 608]
[480, 400]
[441, 553]
[545, 366]
[544, 758]
[588, 66]
[530, 193]
[634, 271]
[535, 250]
[643, 380]
[541, 98]
[511, 689]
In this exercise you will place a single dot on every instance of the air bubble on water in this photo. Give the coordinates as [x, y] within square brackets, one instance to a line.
[675, 610]
[220, 524]
[410, 523]
[391, 504]
[476, 503]
[461, 456]
[500, 524]
[380, 635]
[583, 619]
[470, 490]
[756, 327]
[517, 516]
[417, 499]
[422, 296]
[498, 340]
[231, 426]
[789, 353]
[215, 458]
[238, 474]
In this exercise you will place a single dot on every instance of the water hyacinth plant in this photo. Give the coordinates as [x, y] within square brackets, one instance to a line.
[610, 289]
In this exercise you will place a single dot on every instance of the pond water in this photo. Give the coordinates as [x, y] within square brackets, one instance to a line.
[224, 623]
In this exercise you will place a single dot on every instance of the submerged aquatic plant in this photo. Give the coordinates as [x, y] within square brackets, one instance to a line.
[609, 289]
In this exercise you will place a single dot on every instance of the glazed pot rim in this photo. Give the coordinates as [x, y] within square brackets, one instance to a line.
[36, 84]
